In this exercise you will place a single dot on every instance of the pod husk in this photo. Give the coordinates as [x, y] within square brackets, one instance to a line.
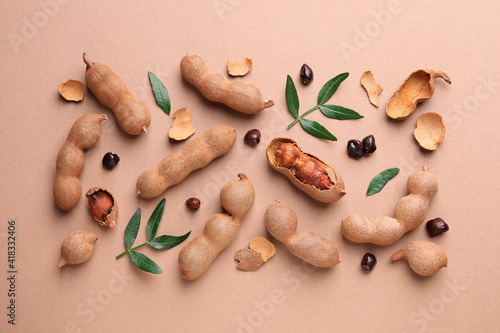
[110, 219]
[328, 196]
[430, 130]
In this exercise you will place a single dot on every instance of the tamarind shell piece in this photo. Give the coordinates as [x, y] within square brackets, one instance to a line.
[248, 260]
[430, 130]
[330, 195]
[418, 87]
[182, 127]
[373, 89]
[425, 258]
[105, 213]
[72, 90]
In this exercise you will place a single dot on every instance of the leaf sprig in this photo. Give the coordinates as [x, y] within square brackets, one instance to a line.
[160, 243]
[160, 92]
[378, 182]
[331, 111]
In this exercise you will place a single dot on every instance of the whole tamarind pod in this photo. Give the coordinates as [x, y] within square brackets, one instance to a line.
[196, 154]
[131, 113]
[84, 134]
[281, 222]
[237, 198]
[238, 95]
[305, 171]
[77, 248]
[409, 213]
[418, 87]
[425, 258]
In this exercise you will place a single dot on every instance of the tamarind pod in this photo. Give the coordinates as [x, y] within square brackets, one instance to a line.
[409, 213]
[237, 197]
[281, 222]
[425, 258]
[131, 113]
[84, 133]
[238, 95]
[196, 154]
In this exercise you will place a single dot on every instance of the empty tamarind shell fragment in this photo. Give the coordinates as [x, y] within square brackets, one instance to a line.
[373, 89]
[305, 171]
[102, 206]
[418, 87]
[72, 90]
[430, 130]
[182, 127]
[239, 67]
[248, 259]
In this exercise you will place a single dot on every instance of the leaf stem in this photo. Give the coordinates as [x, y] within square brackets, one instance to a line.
[302, 116]
[133, 249]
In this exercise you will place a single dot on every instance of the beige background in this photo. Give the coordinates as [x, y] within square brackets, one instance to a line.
[41, 46]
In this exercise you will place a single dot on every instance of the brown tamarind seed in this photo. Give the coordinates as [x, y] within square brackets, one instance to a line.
[436, 227]
[369, 261]
[369, 145]
[110, 160]
[193, 203]
[306, 74]
[355, 148]
[252, 137]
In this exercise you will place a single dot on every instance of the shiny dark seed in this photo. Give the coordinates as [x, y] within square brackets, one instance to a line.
[369, 261]
[306, 74]
[369, 145]
[193, 203]
[252, 137]
[436, 227]
[110, 160]
[355, 148]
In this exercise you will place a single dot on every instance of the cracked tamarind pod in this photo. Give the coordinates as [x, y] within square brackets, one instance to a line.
[409, 213]
[305, 171]
[131, 113]
[238, 95]
[237, 198]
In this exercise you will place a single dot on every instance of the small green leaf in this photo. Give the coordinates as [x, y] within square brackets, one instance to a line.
[292, 100]
[339, 112]
[330, 88]
[132, 229]
[378, 182]
[154, 220]
[167, 242]
[316, 129]
[144, 263]
[160, 92]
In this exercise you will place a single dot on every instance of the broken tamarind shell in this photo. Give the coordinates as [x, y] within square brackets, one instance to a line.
[182, 127]
[239, 67]
[248, 259]
[418, 87]
[102, 206]
[305, 171]
[72, 90]
[373, 89]
[430, 130]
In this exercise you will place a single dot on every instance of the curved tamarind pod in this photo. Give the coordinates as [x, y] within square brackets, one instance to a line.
[418, 87]
[305, 171]
[131, 113]
[237, 198]
[196, 154]
[409, 213]
[425, 258]
[238, 95]
[84, 134]
[281, 222]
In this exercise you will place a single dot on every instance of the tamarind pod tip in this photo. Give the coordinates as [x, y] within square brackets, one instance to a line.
[242, 176]
[87, 61]
[62, 262]
[139, 192]
[103, 117]
[144, 128]
[268, 103]
[398, 255]
[425, 168]
[276, 201]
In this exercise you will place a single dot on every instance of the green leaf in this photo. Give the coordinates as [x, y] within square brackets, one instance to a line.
[144, 263]
[167, 242]
[330, 88]
[339, 112]
[154, 220]
[160, 92]
[378, 182]
[132, 229]
[316, 129]
[292, 100]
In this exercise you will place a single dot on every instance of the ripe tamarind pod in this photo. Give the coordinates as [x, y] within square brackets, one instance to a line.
[281, 222]
[237, 198]
[305, 171]
[131, 113]
[196, 154]
[84, 134]
[238, 95]
[425, 258]
[77, 248]
[409, 213]
[418, 87]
